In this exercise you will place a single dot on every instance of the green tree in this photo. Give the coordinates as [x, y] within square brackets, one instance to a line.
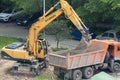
[4, 4]
[115, 9]
[102, 14]
[29, 5]
[60, 29]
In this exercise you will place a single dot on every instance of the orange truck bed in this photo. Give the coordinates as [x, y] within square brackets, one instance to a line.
[71, 59]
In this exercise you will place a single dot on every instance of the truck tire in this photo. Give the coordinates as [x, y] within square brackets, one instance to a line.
[77, 75]
[116, 67]
[87, 72]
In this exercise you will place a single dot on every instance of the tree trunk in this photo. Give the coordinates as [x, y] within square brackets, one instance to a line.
[58, 43]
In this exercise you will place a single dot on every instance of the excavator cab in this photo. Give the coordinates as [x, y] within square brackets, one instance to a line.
[42, 48]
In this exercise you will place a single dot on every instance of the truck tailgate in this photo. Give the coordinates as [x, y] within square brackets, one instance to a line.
[56, 59]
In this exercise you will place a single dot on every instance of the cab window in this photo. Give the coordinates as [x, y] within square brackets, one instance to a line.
[45, 47]
[39, 46]
[111, 35]
[118, 48]
[105, 35]
[118, 34]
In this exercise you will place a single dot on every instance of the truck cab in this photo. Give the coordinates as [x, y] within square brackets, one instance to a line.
[114, 50]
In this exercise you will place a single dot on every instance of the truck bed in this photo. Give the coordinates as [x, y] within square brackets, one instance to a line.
[70, 59]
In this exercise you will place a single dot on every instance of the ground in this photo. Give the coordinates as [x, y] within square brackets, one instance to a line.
[6, 72]
[11, 29]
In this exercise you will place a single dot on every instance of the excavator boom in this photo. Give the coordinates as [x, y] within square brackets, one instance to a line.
[51, 15]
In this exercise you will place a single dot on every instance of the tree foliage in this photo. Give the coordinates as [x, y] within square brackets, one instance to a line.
[29, 5]
[60, 29]
[102, 14]
[6, 4]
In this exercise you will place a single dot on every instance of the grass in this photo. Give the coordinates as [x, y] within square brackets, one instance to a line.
[7, 40]
[45, 77]
[59, 49]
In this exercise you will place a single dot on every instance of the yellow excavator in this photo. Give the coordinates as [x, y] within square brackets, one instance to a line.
[33, 53]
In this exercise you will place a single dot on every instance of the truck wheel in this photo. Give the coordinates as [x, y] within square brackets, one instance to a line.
[77, 75]
[116, 67]
[87, 72]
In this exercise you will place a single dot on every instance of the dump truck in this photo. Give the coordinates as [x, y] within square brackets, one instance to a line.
[77, 63]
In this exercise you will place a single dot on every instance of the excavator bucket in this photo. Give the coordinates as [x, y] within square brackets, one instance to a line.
[83, 44]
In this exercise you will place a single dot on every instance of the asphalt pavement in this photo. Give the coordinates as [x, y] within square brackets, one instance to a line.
[12, 30]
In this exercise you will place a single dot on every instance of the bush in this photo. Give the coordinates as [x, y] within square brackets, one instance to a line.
[45, 77]
[59, 49]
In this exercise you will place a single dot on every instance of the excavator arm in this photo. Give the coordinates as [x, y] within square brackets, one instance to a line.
[51, 15]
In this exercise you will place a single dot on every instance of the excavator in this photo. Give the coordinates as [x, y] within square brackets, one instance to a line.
[33, 53]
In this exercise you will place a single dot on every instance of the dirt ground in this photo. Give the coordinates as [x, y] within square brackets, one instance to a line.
[6, 72]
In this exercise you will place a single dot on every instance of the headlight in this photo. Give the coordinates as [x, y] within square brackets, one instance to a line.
[25, 21]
